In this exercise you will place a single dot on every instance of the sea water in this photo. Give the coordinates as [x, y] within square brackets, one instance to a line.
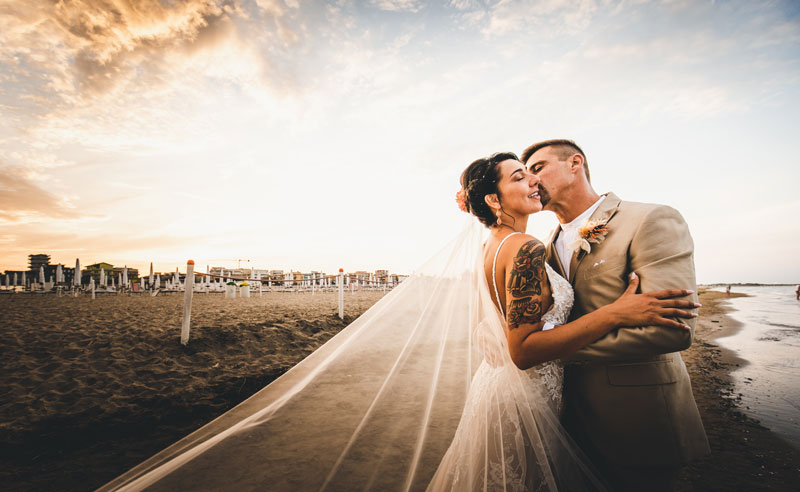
[770, 343]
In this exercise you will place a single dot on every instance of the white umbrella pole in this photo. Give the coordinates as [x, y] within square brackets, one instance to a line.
[187, 301]
[340, 281]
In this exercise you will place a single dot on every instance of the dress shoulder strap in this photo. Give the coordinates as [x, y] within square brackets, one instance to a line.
[494, 278]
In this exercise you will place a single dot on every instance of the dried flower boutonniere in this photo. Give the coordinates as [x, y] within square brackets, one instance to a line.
[593, 232]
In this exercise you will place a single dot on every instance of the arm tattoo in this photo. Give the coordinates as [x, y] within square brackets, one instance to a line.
[525, 285]
[524, 310]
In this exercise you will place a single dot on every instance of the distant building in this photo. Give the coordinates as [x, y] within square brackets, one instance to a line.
[133, 273]
[93, 271]
[37, 261]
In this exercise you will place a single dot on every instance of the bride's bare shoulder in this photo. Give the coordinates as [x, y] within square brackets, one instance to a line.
[524, 244]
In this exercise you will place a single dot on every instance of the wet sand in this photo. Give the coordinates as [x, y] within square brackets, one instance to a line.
[744, 454]
[92, 388]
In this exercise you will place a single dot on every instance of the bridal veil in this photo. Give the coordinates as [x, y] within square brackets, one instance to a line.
[378, 406]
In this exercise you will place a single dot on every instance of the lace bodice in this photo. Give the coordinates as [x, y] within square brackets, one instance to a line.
[563, 297]
[552, 373]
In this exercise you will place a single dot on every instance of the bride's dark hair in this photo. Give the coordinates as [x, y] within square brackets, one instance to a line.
[480, 179]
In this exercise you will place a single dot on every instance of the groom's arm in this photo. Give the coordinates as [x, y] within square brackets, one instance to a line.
[662, 254]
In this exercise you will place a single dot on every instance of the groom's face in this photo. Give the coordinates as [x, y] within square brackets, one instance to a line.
[553, 173]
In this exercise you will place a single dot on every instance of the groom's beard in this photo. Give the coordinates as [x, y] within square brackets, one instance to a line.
[544, 196]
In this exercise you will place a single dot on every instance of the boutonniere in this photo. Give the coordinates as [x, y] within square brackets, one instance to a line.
[593, 232]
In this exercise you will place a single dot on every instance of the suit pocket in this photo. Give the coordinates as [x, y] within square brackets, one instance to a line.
[642, 373]
[597, 268]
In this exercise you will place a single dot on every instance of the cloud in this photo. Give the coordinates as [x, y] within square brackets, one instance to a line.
[21, 198]
[397, 5]
[71, 53]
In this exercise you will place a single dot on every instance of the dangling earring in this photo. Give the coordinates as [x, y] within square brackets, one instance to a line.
[499, 222]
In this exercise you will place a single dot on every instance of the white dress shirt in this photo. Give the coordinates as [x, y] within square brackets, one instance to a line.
[569, 234]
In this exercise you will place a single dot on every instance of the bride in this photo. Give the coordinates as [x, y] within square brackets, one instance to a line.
[447, 383]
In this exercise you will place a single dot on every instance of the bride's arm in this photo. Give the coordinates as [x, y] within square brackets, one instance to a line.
[528, 296]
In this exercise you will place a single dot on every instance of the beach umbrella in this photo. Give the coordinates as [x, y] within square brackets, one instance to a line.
[8, 280]
[41, 275]
[152, 277]
[76, 280]
[103, 277]
[157, 285]
[125, 276]
[15, 278]
[112, 283]
[59, 274]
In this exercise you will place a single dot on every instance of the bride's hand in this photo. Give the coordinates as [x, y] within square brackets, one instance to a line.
[657, 307]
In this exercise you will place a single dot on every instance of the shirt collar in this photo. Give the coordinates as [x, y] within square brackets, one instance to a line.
[584, 217]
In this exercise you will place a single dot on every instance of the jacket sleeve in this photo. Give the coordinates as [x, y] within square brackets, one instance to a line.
[662, 254]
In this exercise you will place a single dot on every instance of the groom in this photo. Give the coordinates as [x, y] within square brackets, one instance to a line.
[629, 402]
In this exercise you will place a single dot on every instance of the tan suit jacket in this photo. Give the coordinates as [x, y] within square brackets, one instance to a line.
[628, 396]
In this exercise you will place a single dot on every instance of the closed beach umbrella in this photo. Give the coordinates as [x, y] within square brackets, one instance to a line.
[103, 277]
[152, 277]
[8, 280]
[77, 278]
[41, 275]
[15, 278]
[125, 276]
[59, 274]
[158, 282]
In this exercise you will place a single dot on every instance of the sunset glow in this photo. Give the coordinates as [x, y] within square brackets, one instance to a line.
[319, 135]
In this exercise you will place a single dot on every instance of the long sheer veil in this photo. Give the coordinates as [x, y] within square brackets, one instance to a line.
[378, 406]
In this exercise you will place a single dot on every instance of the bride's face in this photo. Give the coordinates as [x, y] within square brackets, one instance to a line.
[519, 189]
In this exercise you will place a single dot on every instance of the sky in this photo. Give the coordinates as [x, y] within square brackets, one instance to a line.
[318, 135]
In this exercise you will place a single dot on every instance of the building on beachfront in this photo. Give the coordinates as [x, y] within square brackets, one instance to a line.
[133, 273]
[37, 261]
[93, 271]
[360, 275]
[21, 275]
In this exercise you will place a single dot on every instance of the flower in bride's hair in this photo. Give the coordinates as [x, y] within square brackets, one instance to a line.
[461, 199]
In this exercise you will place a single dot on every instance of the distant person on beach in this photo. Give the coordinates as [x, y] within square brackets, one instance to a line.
[797, 292]
[728, 290]
[628, 398]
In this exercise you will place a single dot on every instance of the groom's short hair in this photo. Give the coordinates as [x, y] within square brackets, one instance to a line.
[564, 149]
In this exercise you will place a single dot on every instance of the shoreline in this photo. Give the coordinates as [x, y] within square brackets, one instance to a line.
[744, 454]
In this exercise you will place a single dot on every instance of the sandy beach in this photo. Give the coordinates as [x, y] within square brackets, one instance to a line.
[93, 387]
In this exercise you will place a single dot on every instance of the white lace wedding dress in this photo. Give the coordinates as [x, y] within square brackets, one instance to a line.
[498, 445]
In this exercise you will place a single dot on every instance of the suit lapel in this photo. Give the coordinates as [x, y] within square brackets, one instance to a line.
[552, 254]
[604, 212]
